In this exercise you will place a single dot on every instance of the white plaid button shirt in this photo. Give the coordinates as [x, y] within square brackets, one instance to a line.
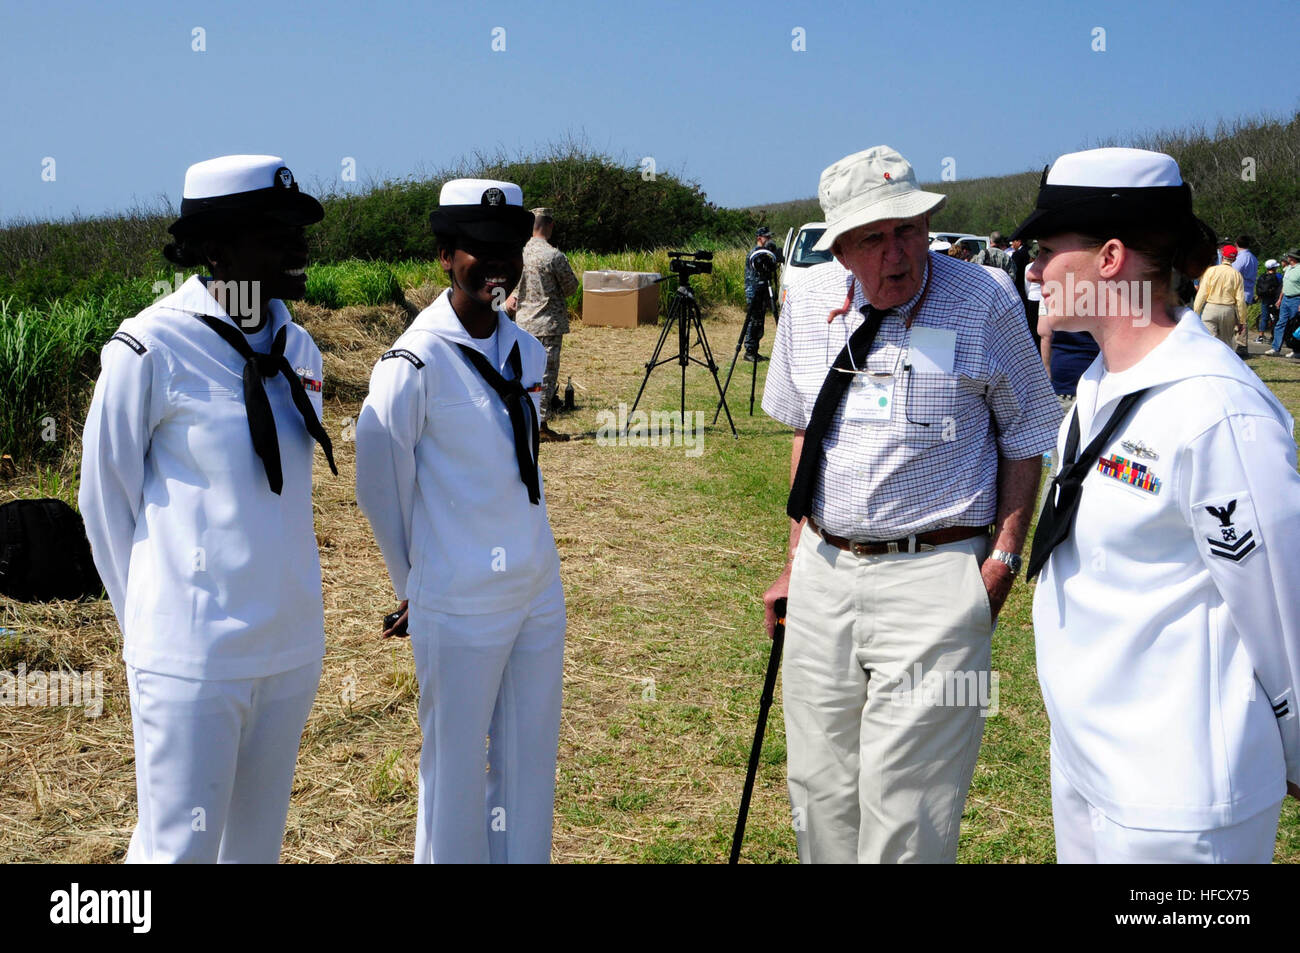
[934, 463]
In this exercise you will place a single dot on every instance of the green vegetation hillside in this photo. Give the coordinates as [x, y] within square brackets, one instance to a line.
[1245, 178]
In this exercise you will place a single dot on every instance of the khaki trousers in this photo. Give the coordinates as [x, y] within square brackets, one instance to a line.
[886, 672]
[1221, 321]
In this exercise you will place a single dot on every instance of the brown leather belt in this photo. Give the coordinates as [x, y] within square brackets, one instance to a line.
[922, 542]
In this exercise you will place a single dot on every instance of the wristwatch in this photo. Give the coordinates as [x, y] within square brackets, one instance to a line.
[1012, 560]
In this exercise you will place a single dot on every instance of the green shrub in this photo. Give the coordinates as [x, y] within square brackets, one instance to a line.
[599, 204]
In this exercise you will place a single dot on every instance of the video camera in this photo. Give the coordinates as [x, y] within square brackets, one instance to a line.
[764, 262]
[687, 263]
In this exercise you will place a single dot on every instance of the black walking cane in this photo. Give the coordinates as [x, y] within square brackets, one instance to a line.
[769, 683]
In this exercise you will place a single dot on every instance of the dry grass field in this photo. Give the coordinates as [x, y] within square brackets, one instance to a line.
[665, 555]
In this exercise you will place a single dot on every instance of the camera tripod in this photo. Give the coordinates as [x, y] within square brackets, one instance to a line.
[766, 287]
[684, 312]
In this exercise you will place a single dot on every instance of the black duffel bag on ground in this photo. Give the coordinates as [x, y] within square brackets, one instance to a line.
[44, 553]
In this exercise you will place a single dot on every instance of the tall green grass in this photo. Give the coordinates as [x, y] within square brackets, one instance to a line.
[47, 359]
[353, 282]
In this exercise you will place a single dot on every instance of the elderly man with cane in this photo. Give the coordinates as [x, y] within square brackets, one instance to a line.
[921, 413]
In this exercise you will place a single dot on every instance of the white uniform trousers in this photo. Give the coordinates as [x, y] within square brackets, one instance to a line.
[214, 763]
[1086, 836]
[494, 677]
[879, 765]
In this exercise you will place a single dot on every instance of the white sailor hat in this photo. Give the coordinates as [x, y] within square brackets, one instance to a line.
[1101, 192]
[232, 189]
[487, 210]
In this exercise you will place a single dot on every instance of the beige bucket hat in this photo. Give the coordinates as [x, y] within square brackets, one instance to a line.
[870, 186]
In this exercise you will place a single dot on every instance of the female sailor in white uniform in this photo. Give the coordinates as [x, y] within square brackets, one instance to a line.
[196, 492]
[1167, 614]
[447, 474]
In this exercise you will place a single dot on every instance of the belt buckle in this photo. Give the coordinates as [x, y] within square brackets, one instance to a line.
[859, 548]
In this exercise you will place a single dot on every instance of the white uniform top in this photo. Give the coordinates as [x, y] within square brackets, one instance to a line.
[211, 575]
[437, 473]
[1167, 625]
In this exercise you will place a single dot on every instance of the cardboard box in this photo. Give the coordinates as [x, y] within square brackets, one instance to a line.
[619, 299]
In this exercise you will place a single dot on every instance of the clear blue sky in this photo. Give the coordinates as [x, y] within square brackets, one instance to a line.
[115, 94]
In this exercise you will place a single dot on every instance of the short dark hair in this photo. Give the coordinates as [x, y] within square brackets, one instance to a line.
[445, 240]
[1243, 241]
[186, 251]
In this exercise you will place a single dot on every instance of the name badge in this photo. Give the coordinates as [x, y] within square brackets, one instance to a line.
[871, 398]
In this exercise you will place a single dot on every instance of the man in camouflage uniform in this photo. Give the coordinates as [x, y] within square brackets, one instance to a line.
[539, 305]
[760, 272]
[996, 254]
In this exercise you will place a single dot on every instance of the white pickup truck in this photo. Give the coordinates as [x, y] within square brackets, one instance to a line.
[799, 255]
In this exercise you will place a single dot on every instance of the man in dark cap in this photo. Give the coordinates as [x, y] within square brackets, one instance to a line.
[760, 274]
[447, 474]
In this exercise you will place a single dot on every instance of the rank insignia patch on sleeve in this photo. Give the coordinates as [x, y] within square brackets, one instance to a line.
[404, 354]
[1228, 526]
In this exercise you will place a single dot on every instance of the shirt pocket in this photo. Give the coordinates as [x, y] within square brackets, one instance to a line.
[930, 398]
[940, 408]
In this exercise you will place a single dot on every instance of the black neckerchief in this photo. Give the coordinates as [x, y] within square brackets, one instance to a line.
[261, 421]
[523, 415]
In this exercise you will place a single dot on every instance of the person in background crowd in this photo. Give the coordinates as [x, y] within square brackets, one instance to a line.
[1288, 303]
[1270, 283]
[1248, 266]
[539, 306]
[1020, 258]
[1220, 300]
[761, 266]
[996, 254]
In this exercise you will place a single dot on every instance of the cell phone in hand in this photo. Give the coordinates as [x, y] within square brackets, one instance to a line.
[390, 620]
